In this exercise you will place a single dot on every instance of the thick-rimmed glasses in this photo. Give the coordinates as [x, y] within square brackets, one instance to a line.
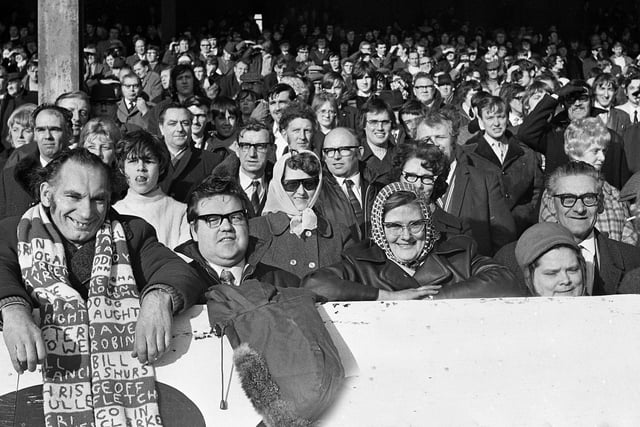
[215, 220]
[413, 178]
[569, 200]
[344, 151]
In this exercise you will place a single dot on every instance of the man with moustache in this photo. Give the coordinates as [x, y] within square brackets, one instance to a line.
[188, 166]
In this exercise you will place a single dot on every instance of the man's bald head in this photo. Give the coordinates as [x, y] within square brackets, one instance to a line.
[341, 152]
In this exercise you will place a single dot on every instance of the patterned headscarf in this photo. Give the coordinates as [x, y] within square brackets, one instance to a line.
[378, 235]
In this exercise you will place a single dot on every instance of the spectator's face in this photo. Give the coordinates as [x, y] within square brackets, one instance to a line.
[406, 246]
[558, 273]
[226, 244]
[140, 70]
[277, 103]
[364, 84]
[200, 118]
[334, 62]
[78, 201]
[20, 135]
[445, 90]
[110, 60]
[165, 78]
[225, 124]
[414, 171]
[410, 123]
[183, 46]
[579, 219]
[199, 72]
[604, 94]
[326, 115]
[303, 54]
[414, 59]
[79, 109]
[240, 69]
[424, 90]
[378, 128]
[438, 134]
[633, 92]
[617, 50]
[247, 105]
[104, 109]
[142, 173]
[301, 195]
[152, 55]
[579, 109]
[176, 128]
[253, 156]
[33, 73]
[494, 122]
[525, 80]
[102, 146]
[516, 103]
[381, 50]
[341, 164]
[130, 88]
[594, 154]
[336, 89]
[299, 133]
[184, 84]
[205, 46]
[140, 47]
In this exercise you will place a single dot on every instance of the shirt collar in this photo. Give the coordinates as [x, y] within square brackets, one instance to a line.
[236, 270]
[355, 178]
[246, 181]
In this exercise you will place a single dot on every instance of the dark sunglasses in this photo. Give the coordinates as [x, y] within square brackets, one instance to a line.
[309, 184]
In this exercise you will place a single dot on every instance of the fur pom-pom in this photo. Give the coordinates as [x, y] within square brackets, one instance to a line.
[262, 390]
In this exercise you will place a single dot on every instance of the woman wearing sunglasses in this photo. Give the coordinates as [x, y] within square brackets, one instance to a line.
[409, 260]
[291, 234]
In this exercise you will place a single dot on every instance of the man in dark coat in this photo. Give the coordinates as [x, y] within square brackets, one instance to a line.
[75, 198]
[251, 168]
[188, 166]
[220, 245]
[52, 132]
[518, 167]
[377, 119]
[472, 195]
[607, 260]
[230, 84]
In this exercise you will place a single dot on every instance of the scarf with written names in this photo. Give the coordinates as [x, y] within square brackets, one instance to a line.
[89, 374]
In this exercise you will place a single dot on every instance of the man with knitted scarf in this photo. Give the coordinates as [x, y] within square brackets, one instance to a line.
[106, 290]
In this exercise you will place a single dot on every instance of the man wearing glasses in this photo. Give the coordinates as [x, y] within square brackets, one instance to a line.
[218, 215]
[424, 89]
[576, 190]
[251, 167]
[347, 194]
[377, 119]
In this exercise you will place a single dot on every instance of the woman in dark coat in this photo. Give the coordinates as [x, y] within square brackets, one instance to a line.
[408, 260]
[290, 234]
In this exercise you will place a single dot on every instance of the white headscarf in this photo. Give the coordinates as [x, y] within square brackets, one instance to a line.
[279, 201]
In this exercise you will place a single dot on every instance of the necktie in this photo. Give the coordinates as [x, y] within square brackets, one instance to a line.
[355, 204]
[635, 116]
[226, 278]
[590, 264]
[255, 196]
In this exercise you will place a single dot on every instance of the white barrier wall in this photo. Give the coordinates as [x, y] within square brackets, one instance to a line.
[510, 362]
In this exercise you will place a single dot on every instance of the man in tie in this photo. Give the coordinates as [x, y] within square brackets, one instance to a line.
[347, 192]
[220, 247]
[251, 167]
[518, 167]
[473, 194]
[133, 111]
[632, 91]
[576, 189]
[605, 87]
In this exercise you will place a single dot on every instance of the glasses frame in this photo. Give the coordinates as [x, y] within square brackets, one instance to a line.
[209, 219]
[414, 178]
[308, 184]
[396, 229]
[260, 148]
[566, 197]
[344, 151]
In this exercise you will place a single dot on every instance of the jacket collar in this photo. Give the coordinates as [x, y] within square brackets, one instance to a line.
[279, 223]
[481, 147]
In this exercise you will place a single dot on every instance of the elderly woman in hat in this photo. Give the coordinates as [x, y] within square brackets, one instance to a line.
[408, 259]
[551, 261]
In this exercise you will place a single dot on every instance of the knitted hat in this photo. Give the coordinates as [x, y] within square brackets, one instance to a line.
[539, 239]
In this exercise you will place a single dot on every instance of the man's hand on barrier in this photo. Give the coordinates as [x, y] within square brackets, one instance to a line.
[23, 338]
[153, 329]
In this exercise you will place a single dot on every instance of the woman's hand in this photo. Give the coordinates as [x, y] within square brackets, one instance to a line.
[408, 294]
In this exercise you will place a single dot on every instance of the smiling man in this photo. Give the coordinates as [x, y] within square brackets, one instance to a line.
[298, 124]
[217, 213]
[378, 120]
[497, 151]
[66, 248]
[576, 189]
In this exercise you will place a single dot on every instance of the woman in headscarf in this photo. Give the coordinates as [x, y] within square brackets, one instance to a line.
[408, 260]
[290, 234]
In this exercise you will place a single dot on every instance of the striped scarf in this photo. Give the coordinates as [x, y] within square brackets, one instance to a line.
[89, 374]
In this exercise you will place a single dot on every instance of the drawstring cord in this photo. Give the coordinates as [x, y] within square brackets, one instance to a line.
[224, 398]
